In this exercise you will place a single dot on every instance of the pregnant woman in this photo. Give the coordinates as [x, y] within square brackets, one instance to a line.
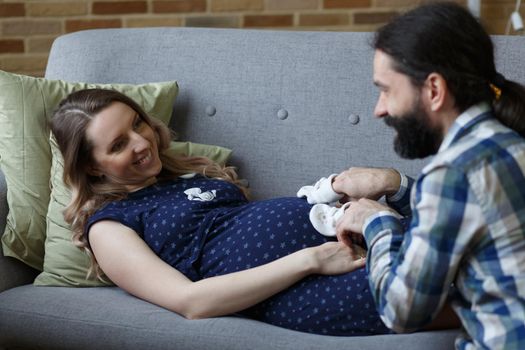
[180, 232]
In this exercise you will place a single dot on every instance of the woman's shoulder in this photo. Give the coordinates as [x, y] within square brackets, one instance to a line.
[123, 211]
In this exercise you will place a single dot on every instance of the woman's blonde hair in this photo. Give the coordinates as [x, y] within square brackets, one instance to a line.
[90, 192]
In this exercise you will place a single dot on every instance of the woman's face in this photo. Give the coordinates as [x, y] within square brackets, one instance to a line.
[125, 148]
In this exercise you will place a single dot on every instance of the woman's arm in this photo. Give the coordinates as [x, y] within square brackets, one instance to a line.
[132, 265]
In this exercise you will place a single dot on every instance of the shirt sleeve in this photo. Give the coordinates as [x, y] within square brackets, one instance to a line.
[114, 214]
[400, 201]
[410, 273]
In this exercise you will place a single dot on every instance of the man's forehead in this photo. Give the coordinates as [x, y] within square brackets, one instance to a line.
[383, 61]
[384, 68]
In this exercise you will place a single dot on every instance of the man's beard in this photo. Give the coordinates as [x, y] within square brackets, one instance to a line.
[415, 138]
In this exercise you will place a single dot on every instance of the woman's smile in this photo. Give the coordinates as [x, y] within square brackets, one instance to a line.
[144, 160]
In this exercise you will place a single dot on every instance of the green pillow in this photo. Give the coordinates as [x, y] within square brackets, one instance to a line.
[218, 154]
[65, 264]
[26, 104]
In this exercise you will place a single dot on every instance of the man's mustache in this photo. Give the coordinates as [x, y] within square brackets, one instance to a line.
[392, 121]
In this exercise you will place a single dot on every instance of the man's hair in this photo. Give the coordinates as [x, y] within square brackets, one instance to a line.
[445, 38]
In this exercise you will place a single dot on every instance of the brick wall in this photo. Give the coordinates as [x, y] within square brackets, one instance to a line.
[27, 28]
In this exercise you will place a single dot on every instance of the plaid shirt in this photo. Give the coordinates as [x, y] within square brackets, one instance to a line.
[465, 240]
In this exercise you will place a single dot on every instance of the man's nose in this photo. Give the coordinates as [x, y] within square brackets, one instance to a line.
[380, 109]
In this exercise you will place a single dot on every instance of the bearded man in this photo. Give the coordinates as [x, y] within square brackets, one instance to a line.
[465, 243]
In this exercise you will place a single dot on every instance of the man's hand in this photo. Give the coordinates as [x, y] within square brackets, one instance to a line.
[372, 183]
[320, 192]
[349, 228]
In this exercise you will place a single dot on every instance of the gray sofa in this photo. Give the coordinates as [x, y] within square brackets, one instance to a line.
[293, 106]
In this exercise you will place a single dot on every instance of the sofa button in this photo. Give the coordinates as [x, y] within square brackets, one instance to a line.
[210, 111]
[282, 114]
[353, 119]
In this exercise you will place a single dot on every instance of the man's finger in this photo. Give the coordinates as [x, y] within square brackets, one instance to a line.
[344, 238]
[359, 263]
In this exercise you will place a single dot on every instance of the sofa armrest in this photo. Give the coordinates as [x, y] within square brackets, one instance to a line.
[12, 272]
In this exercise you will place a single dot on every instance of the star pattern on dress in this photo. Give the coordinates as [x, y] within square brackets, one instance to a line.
[205, 238]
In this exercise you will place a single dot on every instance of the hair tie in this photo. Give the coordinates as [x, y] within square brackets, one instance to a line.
[496, 90]
[495, 86]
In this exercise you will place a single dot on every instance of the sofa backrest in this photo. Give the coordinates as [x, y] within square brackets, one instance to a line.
[293, 106]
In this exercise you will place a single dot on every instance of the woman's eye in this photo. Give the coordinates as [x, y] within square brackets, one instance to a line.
[117, 146]
[138, 123]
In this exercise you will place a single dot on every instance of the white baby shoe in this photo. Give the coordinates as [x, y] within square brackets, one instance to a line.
[320, 192]
[196, 194]
[324, 218]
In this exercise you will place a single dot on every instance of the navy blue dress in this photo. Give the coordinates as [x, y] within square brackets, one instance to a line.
[227, 233]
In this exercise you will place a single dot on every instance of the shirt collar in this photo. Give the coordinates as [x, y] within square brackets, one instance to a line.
[465, 120]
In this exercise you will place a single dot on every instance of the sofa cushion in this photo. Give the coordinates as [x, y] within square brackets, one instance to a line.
[26, 104]
[109, 318]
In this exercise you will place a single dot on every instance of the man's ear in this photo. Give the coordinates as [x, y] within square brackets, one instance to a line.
[436, 92]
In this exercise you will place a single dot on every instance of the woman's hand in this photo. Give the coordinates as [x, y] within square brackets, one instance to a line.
[333, 258]
[371, 183]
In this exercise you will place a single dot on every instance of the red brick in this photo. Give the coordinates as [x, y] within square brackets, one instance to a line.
[12, 10]
[54, 9]
[213, 21]
[39, 44]
[11, 45]
[179, 6]
[339, 4]
[21, 63]
[373, 17]
[27, 27]
[82, 24]
[119, 7]
[395, 3]
[236, 5]
[328, 19]
[268, 21]
[279, 5]
[156, 21]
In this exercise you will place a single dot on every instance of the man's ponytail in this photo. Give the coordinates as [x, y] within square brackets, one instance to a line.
[509, 105]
